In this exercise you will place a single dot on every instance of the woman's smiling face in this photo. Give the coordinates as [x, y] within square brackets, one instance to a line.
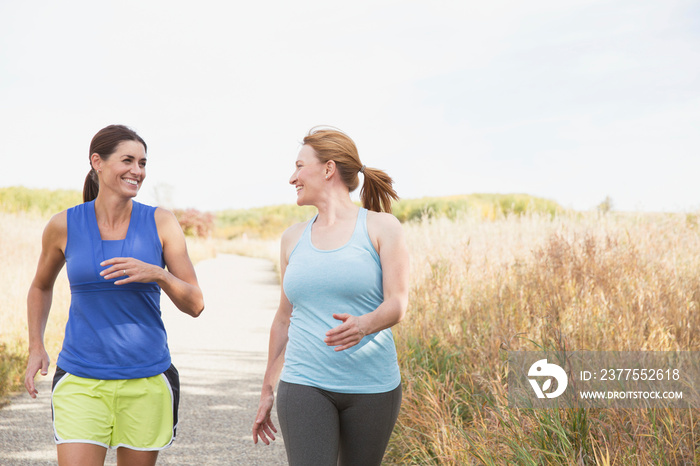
[125, 169]
[308, 177]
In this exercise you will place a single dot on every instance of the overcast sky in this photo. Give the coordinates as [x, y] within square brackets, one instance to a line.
[568, 100]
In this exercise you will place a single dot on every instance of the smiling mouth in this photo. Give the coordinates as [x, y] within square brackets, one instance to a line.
[131, 182]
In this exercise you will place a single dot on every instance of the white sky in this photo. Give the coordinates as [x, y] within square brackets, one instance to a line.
[569, 100]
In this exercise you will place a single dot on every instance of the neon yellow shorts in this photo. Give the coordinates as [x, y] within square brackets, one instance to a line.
[140, 414]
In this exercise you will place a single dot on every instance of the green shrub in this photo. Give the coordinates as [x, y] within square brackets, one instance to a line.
[39, 201]
[486, 206]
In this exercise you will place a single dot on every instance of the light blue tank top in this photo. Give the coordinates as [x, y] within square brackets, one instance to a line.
[113, 331]
[319, 283]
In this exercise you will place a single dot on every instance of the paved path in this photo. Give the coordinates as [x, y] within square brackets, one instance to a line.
[221, 358]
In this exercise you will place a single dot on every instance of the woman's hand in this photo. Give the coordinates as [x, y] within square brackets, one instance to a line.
[263, 427]
[130, 270]
[37, 360]
[347, 334]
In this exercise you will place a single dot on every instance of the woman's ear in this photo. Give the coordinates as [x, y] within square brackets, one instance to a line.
[330, 168]
[96, 162]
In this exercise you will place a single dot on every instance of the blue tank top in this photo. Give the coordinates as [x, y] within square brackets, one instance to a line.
[113, 331]
[319, 283]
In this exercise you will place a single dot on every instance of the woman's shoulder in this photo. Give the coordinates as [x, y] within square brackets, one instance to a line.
[58, 221]
[292, 234]
[56, 230]
[382, 221]
[162, 214]
[166, 223]
[77, 215]
[383, 228]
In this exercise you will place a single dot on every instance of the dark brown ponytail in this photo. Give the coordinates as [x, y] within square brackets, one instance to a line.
[104, 143]
[91, 186]
[331, 144]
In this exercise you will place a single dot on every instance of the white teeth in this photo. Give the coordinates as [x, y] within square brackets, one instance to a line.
[134, 182]
[298, 188]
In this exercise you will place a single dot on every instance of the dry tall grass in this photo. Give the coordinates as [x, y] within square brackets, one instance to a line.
[20, 243]
[582, 282]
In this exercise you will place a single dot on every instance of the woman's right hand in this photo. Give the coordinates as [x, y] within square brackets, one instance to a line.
[37, 360]
[263, 427]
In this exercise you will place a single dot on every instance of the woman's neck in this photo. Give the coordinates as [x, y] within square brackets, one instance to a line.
[333, 209]
[112, 212]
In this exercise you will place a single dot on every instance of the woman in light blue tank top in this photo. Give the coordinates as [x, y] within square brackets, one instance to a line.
[115, 386]
[344, 285]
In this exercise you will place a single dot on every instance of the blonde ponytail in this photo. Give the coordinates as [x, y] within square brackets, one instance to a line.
[377, 191]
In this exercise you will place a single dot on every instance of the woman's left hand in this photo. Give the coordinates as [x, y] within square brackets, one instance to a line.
[347, 334]
[130, 270]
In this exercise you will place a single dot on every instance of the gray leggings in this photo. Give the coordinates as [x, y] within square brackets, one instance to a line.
[323, 428]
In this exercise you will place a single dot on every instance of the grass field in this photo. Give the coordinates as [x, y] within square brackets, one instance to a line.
[484, 282]
[574, 282]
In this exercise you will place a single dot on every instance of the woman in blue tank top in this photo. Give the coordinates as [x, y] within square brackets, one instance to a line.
[115, 386]
[344, 285]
